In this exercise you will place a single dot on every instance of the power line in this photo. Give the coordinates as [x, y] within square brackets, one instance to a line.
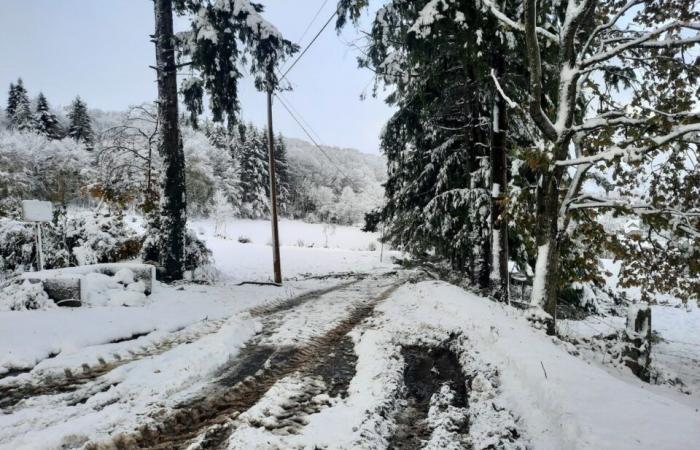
[309, 45]
[301, 117]
[308, 27]
[337, 167]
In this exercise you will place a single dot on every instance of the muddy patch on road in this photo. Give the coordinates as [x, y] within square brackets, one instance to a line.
[72, 379]
[432, 378]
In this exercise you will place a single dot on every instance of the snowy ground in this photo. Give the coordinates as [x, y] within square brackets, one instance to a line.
[361, 355]
[675, 352]
[305, 249]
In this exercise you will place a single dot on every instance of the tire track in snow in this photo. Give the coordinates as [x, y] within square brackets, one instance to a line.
[207, 420]
[74, 378]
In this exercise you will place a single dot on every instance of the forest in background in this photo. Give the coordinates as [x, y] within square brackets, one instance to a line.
[94, 157]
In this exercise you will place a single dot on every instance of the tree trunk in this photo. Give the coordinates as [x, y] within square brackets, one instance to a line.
[545, 284]
[173, 201]
[499, 185]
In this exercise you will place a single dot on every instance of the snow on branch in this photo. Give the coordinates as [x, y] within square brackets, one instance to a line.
[503, 18]
[508, 100]
[610, 24]
[647, 40]
[630, 151]
[639, 207]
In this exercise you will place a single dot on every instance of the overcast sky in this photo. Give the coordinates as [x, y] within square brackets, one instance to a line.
[101, 51]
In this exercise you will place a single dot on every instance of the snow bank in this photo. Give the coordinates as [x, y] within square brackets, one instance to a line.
[134, 392]
[563, 402]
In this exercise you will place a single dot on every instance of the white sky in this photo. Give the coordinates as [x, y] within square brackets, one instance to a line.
[101, 50]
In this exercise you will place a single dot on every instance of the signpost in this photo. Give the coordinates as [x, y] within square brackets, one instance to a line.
[37, 212]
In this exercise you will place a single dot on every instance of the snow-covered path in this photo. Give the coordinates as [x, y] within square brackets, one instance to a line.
[360, 362]
[64, 401]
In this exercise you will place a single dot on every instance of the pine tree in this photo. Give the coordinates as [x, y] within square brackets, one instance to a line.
[439, 189]
[80, 126]
[45, 122]
[254, 175]
[19, 112]
[283, 180]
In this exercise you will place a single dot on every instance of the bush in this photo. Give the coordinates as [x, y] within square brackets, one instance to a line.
[17, 252]
[196, 252]
[101, 237]
[244, 240]
[372, 220]
[20, 296]
[84, 238]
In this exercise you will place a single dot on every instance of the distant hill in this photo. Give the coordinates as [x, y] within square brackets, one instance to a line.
[341, 190]
[362, 169]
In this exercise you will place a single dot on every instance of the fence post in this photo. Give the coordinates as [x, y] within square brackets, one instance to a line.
[637, 335]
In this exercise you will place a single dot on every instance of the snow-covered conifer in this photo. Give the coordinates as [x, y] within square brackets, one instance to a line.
[254, 175]
[80, 126]
[45, 122]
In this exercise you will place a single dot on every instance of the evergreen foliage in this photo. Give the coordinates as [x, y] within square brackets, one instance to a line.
[282, 171]
[18, 110]
[254, 174]
[437, 143]
[80, 126]
[45, 121]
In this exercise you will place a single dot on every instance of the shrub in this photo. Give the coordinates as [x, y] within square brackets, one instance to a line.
[244, 240]
[17, 252]
[84, 238]
[101, 237]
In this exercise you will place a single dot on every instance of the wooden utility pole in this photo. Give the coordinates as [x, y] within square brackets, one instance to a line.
[273, 192]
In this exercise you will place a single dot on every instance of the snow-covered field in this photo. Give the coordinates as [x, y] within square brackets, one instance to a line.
[306, 248]
[325, 362]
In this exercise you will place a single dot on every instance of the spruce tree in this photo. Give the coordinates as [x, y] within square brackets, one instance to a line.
[45, 122]
[254, 175]
[19, 112]
[283, 181]
[80, 127]
[11, 104]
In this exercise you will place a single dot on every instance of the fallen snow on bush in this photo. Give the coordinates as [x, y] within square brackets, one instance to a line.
[21, 295]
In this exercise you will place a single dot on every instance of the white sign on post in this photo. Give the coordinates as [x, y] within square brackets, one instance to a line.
[37, 211]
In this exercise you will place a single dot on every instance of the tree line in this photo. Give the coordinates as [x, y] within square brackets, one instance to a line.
[42, 120]
[119, 167]
[520, 126]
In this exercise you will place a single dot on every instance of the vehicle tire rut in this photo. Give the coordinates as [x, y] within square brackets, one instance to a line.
[72, 380]
[208, 420]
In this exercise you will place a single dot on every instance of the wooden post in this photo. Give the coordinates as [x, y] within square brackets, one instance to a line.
[637, 352]
[273, 192]
[381, 251]
[39, 248]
